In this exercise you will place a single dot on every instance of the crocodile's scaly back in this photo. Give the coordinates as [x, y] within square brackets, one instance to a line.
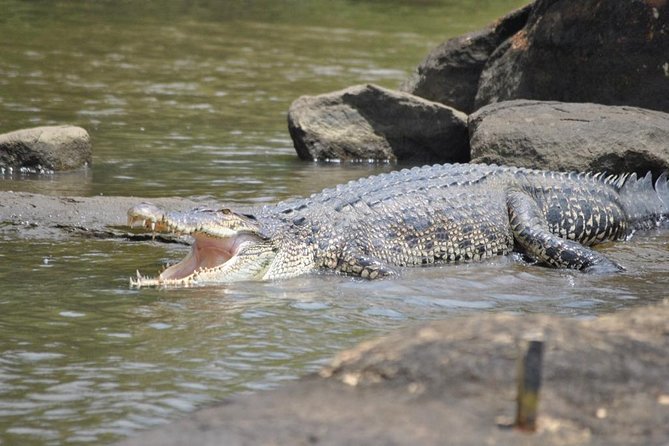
[411, 217]
[442, 214]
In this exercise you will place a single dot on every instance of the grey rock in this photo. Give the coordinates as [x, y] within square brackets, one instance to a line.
[454, 382]
[571, 136]
[608, 52]
[368, 122]
[450, 73]
[48, 148]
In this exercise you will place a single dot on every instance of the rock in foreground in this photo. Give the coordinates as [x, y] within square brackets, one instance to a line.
[571, 137]
[48, 148]
[606, 382]
[367, 122]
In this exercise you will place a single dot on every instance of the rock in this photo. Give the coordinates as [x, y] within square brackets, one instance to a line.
[49, 148]
[604, 383]
[367, 122]
[608, 52]
[571, 136]
[450, 73]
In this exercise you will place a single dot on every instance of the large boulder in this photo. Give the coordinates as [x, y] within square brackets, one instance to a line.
[571, 136]
[609, 52]
[49, 148]
[373, 123]
[450, 73]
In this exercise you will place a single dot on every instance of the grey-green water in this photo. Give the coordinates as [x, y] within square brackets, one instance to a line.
[189, 99]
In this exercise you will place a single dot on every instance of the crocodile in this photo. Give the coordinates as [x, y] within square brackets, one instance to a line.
[373, 227]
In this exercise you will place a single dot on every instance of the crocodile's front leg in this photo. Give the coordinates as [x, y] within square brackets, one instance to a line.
[364, 267]
[531, 234]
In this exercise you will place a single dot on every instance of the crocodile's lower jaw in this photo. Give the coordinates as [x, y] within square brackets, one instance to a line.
[146, 281]
[209, 260]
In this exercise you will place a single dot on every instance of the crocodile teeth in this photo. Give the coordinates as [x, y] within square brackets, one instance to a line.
[136, 282]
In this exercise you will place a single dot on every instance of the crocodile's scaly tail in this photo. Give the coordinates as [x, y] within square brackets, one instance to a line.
[646, 205]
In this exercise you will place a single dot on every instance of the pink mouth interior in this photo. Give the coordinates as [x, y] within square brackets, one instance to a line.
[206, 253]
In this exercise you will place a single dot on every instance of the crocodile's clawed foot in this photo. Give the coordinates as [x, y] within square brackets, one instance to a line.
[604, 266]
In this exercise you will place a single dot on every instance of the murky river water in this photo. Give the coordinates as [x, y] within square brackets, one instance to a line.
[189, 99]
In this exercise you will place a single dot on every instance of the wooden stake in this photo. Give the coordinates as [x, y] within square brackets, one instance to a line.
[529, 384]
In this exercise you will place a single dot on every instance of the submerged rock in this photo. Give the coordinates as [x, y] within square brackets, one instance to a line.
[454, 382]
[450, 73]
[43, 149]
[608, 52]
[571, 136]
[367, 122]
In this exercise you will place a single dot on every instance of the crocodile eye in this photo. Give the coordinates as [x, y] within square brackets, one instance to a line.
[225, 211]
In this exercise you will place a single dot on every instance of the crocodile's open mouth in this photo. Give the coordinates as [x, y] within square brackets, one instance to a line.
[206, 253]
[227, 246]
[208, 257]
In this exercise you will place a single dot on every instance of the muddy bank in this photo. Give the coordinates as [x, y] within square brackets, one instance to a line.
[27, 215]
[606, 382]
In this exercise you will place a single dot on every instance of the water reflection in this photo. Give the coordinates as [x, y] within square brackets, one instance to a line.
[77, 183]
